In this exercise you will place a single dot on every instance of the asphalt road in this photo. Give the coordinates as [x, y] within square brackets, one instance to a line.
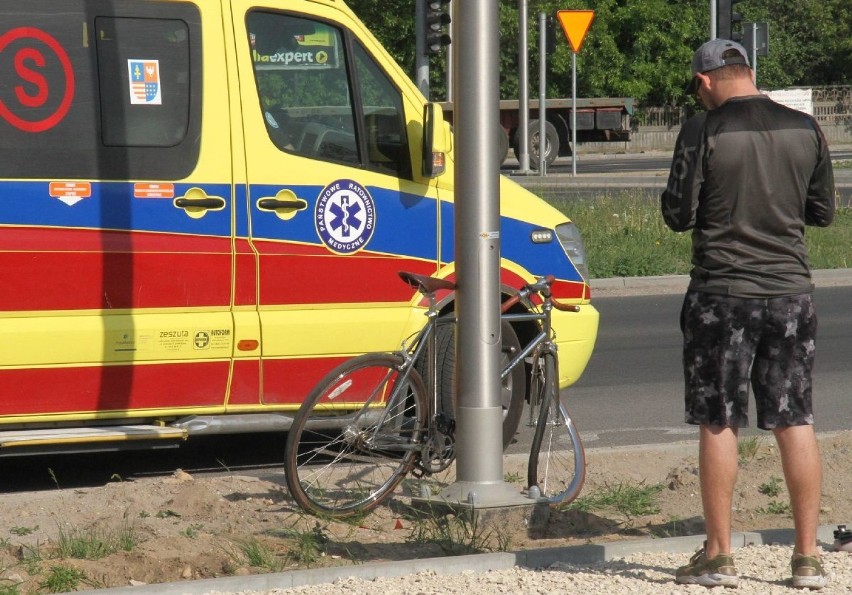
[632, 390]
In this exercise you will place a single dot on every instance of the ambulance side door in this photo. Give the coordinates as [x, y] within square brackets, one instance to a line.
[334, 209]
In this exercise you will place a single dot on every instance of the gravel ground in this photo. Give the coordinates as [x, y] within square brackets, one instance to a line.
[763, 569]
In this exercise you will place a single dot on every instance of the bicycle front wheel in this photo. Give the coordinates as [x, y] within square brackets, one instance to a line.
[557, 463]
[356, 436]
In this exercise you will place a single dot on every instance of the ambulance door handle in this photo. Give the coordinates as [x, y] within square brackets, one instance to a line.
[285, 204]
[196, 203]
[270, 204]
[201, 203]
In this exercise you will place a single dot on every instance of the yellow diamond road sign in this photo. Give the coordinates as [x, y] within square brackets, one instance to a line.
[576, 24]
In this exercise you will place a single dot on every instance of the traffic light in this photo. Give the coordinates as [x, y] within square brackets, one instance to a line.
[727, 20]
[437, 17]
[551, 33]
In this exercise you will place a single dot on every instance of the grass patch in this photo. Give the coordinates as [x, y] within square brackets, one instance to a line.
[747, 448]
[625, 236]
[94, 544]
[62, 579]
[457, 534]
[775, 507]
[771, 488]
[193, 530]
[302, 546]
[255, 553]
[626, 500]
[31, 558]
[512, 477]
[306, 546]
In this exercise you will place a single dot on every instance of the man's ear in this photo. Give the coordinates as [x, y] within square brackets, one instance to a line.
[704, 80]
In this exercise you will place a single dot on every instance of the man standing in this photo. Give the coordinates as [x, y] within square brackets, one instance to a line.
[746, 178]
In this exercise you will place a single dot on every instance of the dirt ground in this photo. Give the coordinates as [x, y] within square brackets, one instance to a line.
[183, 527]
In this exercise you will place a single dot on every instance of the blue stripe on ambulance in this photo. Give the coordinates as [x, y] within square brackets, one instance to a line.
[405, 223]
[242, 216]
[111, 206]
[516, 246]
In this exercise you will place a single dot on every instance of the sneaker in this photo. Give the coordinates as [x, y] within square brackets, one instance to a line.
[807, 572]
[716, 572]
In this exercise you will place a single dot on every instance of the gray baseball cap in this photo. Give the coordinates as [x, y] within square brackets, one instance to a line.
[709, 57]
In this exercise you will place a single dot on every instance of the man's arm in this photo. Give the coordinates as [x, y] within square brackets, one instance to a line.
[819, 205]
[679, 201]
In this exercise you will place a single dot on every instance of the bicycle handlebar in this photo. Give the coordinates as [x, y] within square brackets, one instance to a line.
[429, 285]
[542, 286]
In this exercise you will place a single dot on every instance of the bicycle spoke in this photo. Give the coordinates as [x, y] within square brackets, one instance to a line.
[560, 461]
[356, 436]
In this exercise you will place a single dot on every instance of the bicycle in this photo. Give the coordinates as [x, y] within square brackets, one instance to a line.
[372, 420]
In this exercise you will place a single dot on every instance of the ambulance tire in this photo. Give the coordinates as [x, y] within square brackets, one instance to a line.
[513, 387]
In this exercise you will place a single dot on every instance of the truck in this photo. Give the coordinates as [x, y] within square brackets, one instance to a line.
[599, 119]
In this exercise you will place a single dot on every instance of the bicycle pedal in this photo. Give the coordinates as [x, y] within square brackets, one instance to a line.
[445, 424]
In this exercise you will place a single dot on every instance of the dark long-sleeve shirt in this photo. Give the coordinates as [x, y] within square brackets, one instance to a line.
[746, 178]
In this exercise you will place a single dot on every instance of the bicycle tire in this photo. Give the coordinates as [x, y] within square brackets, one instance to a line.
[557, 464]
[348, 447]
[513, 393]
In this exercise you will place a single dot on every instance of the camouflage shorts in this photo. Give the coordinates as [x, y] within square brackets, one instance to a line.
[730, 342]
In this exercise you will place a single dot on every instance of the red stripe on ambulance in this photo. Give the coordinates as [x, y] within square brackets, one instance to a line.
[113, 388]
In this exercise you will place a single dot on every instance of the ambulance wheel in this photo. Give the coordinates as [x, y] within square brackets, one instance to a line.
[513, 387]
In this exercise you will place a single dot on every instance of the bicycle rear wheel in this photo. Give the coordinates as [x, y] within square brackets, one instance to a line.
[356, 436]
[512, 388]
[557, 460]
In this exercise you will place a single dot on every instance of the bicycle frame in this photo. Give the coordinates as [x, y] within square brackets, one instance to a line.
[542, 342]
[424, 340]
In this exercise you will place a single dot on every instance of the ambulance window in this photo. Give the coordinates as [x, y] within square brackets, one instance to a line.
[143, 73]
[300, 68]
[75, 105]
[387, 146]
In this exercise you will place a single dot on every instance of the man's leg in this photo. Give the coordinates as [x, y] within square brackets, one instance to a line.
[717, 470]
[800, 459]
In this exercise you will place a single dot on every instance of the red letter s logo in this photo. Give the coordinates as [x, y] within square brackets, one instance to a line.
[31, 76]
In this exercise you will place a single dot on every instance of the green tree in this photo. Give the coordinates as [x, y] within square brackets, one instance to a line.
[392, 22]
[642, 48]
[810, 42]
[635, 49]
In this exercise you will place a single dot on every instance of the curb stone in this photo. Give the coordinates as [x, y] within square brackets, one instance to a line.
[531, 558]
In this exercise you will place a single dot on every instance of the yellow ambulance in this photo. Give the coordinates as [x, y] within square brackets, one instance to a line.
[203, 208]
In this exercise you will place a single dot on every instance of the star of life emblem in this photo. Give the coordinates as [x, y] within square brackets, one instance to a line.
[345, 216]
